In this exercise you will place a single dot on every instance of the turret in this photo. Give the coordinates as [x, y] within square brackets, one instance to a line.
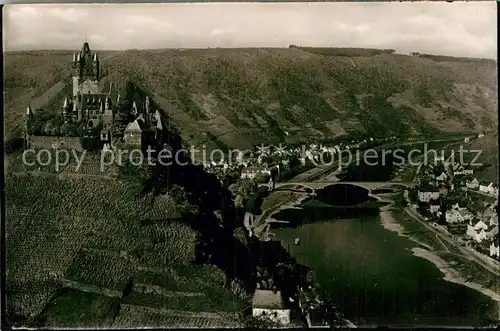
[147, 105]
[134, 109]
[108, 103]
[78, 57]
[96, 59]
[74, 58]
[29, 112]
[65, 103]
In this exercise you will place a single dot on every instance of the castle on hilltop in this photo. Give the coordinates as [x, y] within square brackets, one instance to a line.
[88, 105]
[94, 111]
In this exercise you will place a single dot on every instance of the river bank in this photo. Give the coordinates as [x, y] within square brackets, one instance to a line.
[449, 270]
[448, 265]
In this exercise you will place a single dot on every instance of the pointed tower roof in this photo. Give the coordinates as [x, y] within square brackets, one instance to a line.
[108, 102]
[147, 104]
[85, 48]
[29, 111]
[74, 57]
[65, 103]
[157, 118]
[96, 59]
[134, 108]
[133, 127]
[78, 57]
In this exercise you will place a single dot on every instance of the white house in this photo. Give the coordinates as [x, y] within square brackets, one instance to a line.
[473, 184]
[457, 216]
[477, 232]
[490, 189]
[442, 177]
[466, 139]
[494, 250]
[452, 216]
[270, 305]
[480, 226]
[251, 172]
[494, 220]
[434, 208]
[458, 169]
[428, 195]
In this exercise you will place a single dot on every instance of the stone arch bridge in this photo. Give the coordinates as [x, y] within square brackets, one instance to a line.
[313, 186]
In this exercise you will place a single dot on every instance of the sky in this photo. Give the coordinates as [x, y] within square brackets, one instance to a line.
[456, 29]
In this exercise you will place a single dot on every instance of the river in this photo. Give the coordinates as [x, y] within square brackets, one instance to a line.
[373, 275]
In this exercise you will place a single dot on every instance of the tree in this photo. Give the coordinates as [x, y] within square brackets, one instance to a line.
[70, 130]
[123, 118]
[50, 129]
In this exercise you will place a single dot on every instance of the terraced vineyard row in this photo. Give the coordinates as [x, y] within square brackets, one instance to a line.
[90, 165]
[29, 298]
[101, 269]
[129, 315]
[36, 161]
[91, 232]
[80, 197]
[74, 309]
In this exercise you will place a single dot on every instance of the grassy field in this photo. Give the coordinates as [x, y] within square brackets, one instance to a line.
[241, 97]
[275, 198]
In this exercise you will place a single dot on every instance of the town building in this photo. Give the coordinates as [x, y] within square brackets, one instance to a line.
[270, 305]
[477, 232]
[434, 206]
[494, 250]
[428, 194]
[488, 189]
[253, 171]
[473, 184]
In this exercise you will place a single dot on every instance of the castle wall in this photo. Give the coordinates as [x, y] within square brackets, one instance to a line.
[89, 86]
[49, 142]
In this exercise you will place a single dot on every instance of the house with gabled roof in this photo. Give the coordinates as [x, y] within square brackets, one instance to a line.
[133, 133]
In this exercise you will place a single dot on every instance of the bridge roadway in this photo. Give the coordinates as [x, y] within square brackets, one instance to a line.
[323, 183]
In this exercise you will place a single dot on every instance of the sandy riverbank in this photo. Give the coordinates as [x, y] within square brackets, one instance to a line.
[389, 222]
[451, 275]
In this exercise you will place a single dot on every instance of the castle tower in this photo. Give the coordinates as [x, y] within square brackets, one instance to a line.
[134, 109]
[66, 110]
[86, 71]
[96, 67]
[27, 127]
